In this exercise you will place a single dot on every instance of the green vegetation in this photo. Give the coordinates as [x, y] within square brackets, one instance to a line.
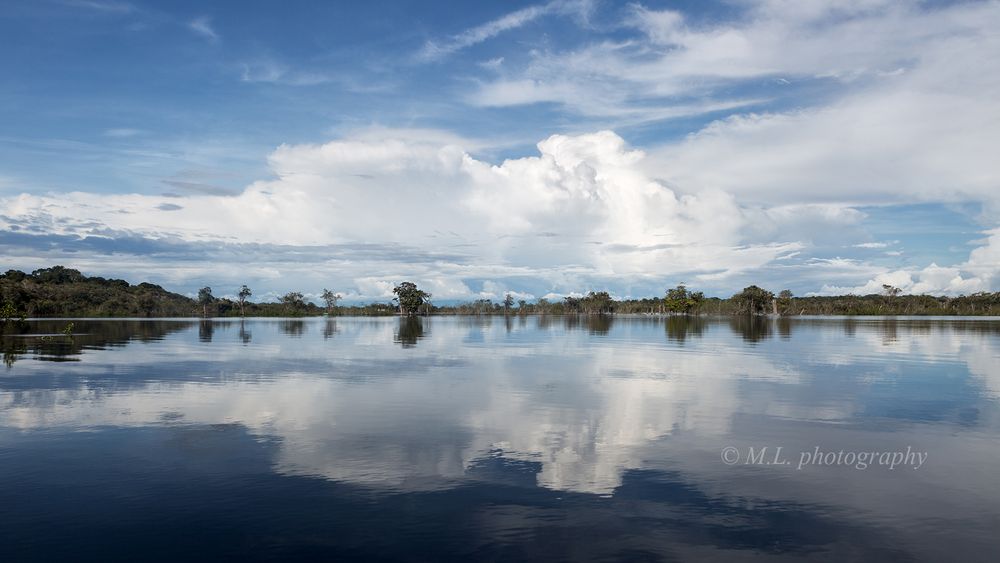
[65, 292]
[206, 299]
[241, 299]
[680, 300]
[753, 301]
[410, 298]
[295, 303]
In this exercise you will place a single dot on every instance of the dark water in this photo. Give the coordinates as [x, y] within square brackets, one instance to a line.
[490, 439]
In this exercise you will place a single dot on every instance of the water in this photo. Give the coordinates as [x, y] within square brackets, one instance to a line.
[500, 439]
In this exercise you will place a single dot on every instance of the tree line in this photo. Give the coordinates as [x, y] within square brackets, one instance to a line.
[65, 292]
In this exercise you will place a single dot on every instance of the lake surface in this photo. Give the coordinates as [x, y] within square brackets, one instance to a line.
[539, 438]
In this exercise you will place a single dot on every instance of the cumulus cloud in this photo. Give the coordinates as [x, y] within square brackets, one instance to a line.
[878, 103]
[579, 211]
[906, 111]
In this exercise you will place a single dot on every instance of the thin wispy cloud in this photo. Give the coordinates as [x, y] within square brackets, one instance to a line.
[203, 26]
[101, 5]
[122, 132]
[434, 50]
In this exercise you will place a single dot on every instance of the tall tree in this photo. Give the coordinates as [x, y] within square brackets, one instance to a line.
[753, 300]
[785, 301]
[241, 298]
[331, 299]
[205, 299]
[409, 297]
[294, 302]
[508, 302]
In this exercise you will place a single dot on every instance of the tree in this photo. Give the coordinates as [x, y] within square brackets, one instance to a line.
[409, 297]
[785, 300]
[753, 301]
[891, 291]
[241, 298]
[205, 299]
[508, 303]
[331, 299]
[597, 302]
[294, 301]
[680, 300]
[9, 313]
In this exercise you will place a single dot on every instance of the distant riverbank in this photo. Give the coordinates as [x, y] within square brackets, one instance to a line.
[65, 292]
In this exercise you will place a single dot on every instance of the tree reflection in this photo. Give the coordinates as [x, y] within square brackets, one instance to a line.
[330, 329]
[293, 327]
[850, 326]
[890, 330]
[12, 350]
[410, 330]
[599, 324]
[752, 328]
[784, 327]
[244, 334]
[594, 324]
[205, 331]
[680, 328]
[47, 340]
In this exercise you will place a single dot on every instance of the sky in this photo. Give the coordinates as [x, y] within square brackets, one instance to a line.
[479, 148]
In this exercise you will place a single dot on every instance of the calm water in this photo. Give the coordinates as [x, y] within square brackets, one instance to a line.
[484, 439]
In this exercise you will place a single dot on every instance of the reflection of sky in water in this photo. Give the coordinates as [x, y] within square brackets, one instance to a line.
[620, 413]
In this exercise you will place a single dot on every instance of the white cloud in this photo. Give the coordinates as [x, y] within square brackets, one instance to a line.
[979, 273]
[102, 6]
[843, 46]
[907, 114]
[885, 244]
[578, 212]
[122, 132]
[434, 50]
[203, 26]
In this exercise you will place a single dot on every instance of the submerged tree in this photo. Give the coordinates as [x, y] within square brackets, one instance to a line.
[331, 299]
[508, 303]
[409, 297]
[599, 302]
[680, 300]
[241, 298]
[10, 313]
[294, 303]
[753, 300]
[785, 300]
[205, 299]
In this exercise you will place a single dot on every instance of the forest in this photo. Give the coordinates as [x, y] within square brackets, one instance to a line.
[65, 292]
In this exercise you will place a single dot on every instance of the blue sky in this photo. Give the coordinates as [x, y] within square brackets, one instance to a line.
[480, 148]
